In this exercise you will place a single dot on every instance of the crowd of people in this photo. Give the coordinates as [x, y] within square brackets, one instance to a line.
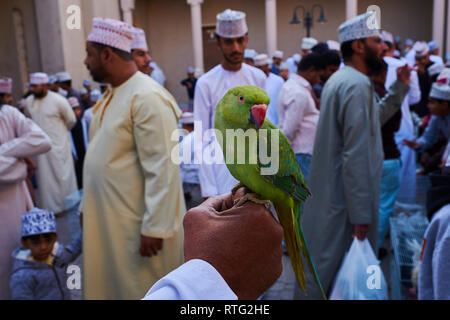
[362, 115]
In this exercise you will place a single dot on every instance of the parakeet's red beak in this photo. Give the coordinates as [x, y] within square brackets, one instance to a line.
[258, 115]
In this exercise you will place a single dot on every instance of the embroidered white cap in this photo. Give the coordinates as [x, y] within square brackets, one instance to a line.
[309, 43]
[38, 78]
[440, 91]
[6, 85]
[113, 33]
[360, 27]
[441, 88]
[278, 54]
[73, 101]
[231, 24]
[139, 40]
[261, 60]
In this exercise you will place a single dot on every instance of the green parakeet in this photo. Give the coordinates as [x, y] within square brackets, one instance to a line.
[245, 108]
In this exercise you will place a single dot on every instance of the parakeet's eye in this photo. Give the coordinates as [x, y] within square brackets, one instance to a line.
[241, 99]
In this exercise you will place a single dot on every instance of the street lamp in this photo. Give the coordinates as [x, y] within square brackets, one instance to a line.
[308, 16]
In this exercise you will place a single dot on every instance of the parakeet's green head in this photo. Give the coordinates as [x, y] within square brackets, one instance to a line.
[245, 106]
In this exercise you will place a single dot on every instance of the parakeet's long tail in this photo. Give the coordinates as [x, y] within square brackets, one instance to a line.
[296, 244]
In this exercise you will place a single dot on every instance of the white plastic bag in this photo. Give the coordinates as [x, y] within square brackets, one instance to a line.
[360, 276]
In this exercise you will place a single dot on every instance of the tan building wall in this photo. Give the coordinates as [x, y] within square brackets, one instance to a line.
[51, 47]
[168, 27]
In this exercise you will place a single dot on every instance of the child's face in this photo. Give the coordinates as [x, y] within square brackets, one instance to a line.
[41, 245]
[438, 108]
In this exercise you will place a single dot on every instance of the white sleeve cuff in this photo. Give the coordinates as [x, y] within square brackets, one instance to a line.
[194, 280]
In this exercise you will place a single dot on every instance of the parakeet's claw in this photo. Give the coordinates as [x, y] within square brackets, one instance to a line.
[251, 197]
[236, 188]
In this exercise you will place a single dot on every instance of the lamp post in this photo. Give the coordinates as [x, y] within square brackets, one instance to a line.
[308, 17]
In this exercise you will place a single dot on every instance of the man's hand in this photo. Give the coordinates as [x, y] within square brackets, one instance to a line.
[243, 244]
[361, 231]
[404, 74]
[412, 144]
[150, 246]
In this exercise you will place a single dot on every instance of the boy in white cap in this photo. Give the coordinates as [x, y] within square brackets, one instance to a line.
[423, 63]
[40, 264]
[231, 39]
[20, 139]
[273, 86]
[439, 105]
[131, 185]
[6, 90]
[55, 174]
[347, 159]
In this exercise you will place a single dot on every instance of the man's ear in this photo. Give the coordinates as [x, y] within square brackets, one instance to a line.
[106, 54]
[358, 46]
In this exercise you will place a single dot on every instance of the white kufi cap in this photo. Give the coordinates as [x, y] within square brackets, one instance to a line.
[6, 85]
[63, 76]
[334, 45]
[387, 37]
[309, 43]
[421, 48]
[278, 54]
[38, 78]
[139, 40]
[231, 24]
[261, 60]
[250, 54]
[441, 88]
[360, 27]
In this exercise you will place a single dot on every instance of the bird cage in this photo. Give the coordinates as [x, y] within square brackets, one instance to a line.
[407, 228]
